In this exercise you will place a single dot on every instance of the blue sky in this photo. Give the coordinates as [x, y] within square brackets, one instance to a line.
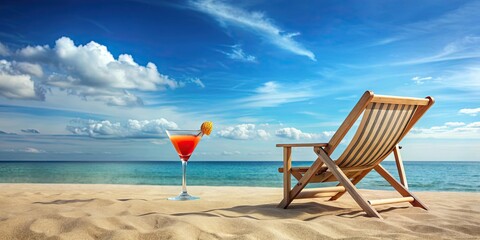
[102, 81]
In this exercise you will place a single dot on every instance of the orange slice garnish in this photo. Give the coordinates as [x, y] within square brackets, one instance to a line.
[206, 127]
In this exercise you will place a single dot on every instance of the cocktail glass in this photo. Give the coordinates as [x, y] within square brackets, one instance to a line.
[184, 142]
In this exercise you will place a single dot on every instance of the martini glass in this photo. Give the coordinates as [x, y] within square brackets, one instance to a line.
[184, 142]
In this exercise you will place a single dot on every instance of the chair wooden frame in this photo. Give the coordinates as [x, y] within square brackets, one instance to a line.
[325, 169]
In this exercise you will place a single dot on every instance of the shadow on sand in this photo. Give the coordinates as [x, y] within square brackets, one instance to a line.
[304, 211]
[60, 201]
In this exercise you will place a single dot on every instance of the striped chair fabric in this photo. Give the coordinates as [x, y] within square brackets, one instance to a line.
[379, 131]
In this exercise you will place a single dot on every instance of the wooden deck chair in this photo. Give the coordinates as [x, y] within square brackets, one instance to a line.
[386, 120]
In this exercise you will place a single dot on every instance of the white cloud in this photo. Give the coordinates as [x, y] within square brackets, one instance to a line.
[347, 97]
[272, 94]
[160, 141]
[24, 150]
[463, 17]
[309, 113]
[454, 124]
[197, 82]
[464, 48]
[238, 54]
[256, 22]
[268, 87]
[228, 153]
[470, 111]
[293, 133]
[243, 132]
[385, 41]
[457, 84]
[32, 150]
[131, 129]
[124, 98]
[30, 130]
[29, 68]
[17, 85]
[263, 134]
[4, 51]
[449, 130]
[464, 81]
[35, 53]
[93, 65]
[467, 78]
[420, 80]
[7, 133]
[91, 72]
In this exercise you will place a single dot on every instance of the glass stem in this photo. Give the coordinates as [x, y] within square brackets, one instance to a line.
[184, 176]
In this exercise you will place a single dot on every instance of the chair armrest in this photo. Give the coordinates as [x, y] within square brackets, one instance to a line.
[302, 145]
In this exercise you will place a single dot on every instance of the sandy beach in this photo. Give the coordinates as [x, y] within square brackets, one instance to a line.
[72, 211]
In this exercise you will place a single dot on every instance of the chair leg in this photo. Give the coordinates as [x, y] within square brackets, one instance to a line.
[400, 168]
[354, 182]
[287, 178]
[301, 184]
[399, 187]
[349, 186]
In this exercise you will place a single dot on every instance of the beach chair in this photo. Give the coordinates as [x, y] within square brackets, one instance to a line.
[386, 120]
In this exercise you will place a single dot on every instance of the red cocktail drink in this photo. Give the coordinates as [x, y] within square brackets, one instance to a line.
[185, 144]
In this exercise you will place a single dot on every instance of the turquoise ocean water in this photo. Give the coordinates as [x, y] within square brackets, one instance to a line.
[422, 176]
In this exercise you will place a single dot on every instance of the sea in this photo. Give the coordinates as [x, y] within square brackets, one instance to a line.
[458, 176]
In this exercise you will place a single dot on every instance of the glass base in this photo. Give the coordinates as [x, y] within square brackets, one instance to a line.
[183, 197]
